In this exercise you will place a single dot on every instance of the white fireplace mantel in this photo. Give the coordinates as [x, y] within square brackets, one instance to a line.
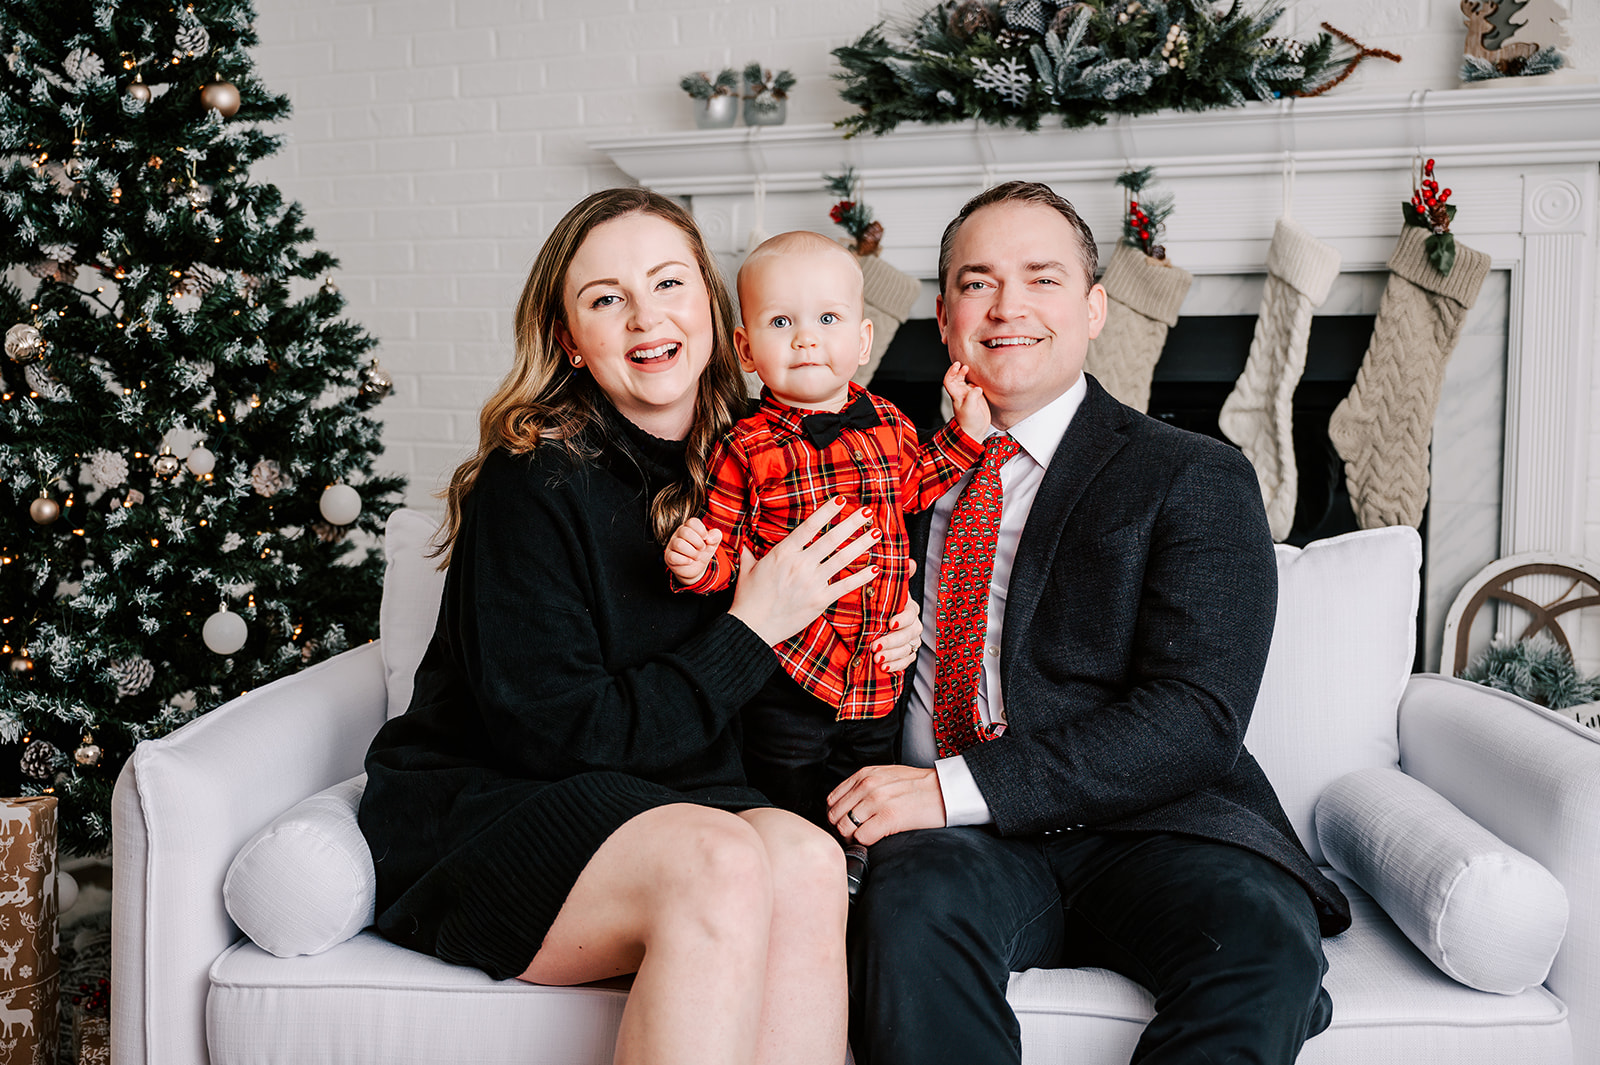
[1524, 164]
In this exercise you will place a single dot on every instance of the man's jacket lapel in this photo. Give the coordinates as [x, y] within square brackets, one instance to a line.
[1096, 434]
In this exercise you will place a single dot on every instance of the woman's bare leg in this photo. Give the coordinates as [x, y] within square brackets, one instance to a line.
[803, 1013]
[683, 896]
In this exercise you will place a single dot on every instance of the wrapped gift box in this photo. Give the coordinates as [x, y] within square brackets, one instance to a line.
[30, 975]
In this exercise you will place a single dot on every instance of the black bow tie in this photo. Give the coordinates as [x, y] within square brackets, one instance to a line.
[824, 427]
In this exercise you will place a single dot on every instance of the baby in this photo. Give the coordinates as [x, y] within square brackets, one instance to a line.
[815, 436]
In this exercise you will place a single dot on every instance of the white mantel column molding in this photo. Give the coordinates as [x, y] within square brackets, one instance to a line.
[1548, 376]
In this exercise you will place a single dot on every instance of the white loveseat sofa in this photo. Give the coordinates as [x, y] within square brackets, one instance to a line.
[1338, 720]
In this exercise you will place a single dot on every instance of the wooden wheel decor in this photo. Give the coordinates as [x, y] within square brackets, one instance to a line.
[1494, 581]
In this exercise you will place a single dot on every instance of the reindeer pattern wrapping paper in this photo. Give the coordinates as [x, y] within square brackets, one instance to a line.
[30, 977]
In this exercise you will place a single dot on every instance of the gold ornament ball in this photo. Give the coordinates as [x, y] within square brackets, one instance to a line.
[44, 510]
[24, 344]
[21, 665]
[375, 383]
[220, 96]
[165, 464]
[88, 754]
[139, 90]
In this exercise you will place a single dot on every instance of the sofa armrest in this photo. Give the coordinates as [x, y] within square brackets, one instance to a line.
[184, 805]
[1532, 778]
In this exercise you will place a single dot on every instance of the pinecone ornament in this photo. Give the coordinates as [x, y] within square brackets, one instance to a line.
[105, 469]
[192, 38]
[970, 18]
[41, 759]
[267, 478]
[131, 675]
[329, 533]
[82, 64]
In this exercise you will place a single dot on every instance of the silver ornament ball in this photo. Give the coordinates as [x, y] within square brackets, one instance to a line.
[24, 343]
[44, 510]
[201, 461]
[220, 96]
[165, 464]
[139, 90]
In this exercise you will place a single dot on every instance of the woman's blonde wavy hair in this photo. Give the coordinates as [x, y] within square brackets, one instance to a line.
[544, 400]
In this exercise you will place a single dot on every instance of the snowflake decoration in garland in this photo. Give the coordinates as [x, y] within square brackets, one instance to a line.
[1007, 79]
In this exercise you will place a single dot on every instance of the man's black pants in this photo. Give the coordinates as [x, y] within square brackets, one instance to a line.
[1225, 940]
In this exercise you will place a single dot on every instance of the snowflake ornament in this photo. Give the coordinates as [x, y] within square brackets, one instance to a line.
[105, 469]
[1007, 79]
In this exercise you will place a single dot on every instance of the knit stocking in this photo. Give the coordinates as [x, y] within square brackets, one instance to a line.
[1383, 428]
[1258, 413]
[888, 294]
[1144, 295]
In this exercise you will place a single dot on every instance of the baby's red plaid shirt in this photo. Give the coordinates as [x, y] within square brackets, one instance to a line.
[766, 478]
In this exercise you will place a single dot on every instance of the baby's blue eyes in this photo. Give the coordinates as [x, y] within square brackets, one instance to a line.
[783, 321]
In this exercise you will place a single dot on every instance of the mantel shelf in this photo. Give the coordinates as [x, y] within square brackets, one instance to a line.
[1535, 125]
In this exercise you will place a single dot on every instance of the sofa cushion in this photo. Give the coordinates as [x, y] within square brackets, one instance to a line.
[1341, 654]
[1482, 911]
[369, 1002]
[305, 882]
[412, 587]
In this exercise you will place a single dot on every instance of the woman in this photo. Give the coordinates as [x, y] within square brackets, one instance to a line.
[563, 800]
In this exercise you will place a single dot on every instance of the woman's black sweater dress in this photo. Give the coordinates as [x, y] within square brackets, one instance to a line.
[566, 690]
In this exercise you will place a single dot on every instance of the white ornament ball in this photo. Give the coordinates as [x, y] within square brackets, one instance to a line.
[66, 891]
[201, 461]
[340, 504]
[225, 632]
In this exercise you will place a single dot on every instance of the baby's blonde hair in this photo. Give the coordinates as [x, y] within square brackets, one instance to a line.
[796, 240]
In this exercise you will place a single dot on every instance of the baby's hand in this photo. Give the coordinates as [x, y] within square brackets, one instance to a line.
[691, 549]
[971, 405]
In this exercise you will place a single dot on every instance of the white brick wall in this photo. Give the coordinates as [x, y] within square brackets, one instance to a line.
[435, 142]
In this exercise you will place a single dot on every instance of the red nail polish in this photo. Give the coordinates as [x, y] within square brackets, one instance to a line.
[875, 569]
[895, 624]
[876, 533]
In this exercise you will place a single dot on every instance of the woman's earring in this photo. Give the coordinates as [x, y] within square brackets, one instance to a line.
[577, 361]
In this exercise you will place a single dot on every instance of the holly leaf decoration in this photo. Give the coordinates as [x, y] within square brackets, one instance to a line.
[1441, 249]
[1413, 216]
[1450, 209]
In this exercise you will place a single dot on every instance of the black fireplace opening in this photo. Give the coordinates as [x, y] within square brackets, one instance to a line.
[1203, 358]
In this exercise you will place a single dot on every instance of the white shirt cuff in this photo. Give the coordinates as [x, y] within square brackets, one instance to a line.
[963, 802]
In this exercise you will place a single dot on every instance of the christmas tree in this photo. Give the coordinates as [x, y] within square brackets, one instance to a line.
[186, 434]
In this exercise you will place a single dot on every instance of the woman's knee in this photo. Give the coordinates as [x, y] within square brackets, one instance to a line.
[807, 866]
[709, 865]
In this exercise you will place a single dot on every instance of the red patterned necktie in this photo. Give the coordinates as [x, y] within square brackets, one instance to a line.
[962, 614]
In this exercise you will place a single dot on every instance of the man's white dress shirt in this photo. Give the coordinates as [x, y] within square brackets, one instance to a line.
[1039, 434]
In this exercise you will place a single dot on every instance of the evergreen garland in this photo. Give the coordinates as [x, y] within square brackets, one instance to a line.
[171, 299]
[1537, 669]
[1015, 62]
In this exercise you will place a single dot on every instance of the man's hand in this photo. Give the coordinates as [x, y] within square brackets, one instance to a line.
[971, 405]
[881, 800]
[691, 549]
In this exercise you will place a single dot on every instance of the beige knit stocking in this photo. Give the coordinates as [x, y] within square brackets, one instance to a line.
[888, 294]
[1384, 426]
[1258, 413]
[1144, 295]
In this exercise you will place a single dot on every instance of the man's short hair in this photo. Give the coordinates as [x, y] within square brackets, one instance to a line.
[1022, 192]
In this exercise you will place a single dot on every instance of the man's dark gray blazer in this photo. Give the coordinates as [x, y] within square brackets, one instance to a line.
[1137, 624]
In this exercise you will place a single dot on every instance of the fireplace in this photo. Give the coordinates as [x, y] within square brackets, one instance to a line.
[1513, 434]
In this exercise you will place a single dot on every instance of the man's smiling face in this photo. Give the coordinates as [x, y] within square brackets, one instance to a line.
[1017, 308]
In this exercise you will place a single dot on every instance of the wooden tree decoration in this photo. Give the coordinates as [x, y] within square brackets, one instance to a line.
[1509, 57]
[1541, 23]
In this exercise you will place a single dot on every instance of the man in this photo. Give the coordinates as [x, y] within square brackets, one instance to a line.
[1077, 792]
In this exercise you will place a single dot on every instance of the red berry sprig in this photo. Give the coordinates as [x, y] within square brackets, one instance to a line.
[1429, 201]
[839, 210]
[1139, 223]
[94, 998]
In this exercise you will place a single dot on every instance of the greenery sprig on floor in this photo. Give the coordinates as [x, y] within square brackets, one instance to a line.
[1019, 62]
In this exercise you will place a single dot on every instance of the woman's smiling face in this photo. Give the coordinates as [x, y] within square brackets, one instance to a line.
[638, 315]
